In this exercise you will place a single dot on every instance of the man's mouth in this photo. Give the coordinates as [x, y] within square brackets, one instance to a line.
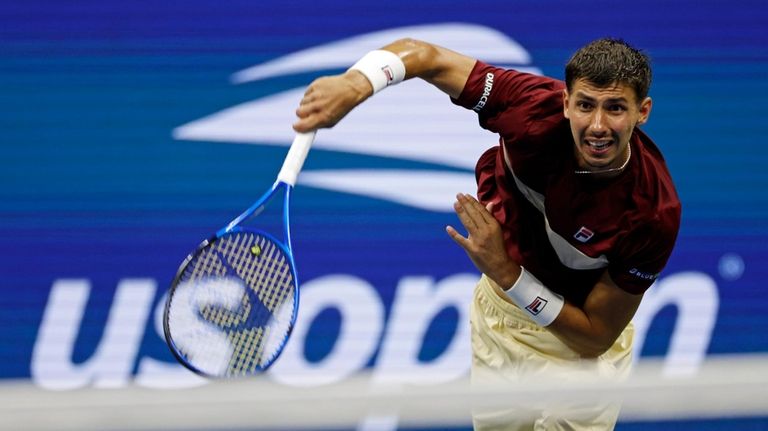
[599, 146]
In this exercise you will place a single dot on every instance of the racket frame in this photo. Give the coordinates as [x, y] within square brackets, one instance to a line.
[286, 180]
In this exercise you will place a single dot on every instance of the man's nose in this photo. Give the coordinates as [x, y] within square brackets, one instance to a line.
[597, 123]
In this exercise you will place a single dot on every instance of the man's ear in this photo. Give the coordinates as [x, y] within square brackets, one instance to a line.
[565, 103]
[645, 110]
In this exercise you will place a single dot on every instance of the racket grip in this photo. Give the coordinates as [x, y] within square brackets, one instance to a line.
[295, 158]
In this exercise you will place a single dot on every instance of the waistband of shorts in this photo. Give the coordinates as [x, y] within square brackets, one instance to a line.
[510, 310]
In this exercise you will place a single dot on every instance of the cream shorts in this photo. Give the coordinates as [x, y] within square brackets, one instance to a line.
[507, 344]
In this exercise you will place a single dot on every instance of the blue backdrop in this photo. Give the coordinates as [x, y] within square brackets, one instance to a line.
[128, 135]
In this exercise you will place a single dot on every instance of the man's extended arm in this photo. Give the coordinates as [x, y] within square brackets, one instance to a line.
[328, 99]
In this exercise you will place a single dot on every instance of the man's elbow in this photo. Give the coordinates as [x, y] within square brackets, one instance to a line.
[593, 348]
[422, 58]
[411, 44]
[590, 352]
[413, 47]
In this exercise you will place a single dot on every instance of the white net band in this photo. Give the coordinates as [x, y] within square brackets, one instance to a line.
[724, 388]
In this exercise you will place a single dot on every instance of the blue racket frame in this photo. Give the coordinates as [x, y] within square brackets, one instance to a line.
[285, 180]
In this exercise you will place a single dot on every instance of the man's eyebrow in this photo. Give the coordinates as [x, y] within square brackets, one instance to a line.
[584, 96]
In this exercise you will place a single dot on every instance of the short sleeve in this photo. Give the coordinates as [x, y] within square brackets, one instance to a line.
[507, 101]
[643, 254]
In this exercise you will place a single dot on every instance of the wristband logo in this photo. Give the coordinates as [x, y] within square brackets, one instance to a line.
[389, 74]
[537, 306]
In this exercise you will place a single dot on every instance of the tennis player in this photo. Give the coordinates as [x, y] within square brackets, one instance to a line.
[575, 215]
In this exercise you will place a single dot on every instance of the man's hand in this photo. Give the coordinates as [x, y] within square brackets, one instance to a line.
[484, 243]
[328, 99]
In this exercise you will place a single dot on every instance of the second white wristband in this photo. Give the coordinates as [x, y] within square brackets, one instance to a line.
[382, 68]
[541, 304]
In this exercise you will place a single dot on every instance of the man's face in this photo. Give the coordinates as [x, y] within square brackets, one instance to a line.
[602, 120]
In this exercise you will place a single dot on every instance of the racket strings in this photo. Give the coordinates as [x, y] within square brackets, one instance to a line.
[209, 265]
[274, 284]
[274, 279]
[248, 345]
[227, 251]
[255, 329]
[222, 317]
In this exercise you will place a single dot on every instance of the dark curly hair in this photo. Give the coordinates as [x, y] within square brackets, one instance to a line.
[608, 61]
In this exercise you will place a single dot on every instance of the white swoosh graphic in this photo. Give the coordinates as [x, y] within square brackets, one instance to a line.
[473, 40]
[427, 190]
[411, 121]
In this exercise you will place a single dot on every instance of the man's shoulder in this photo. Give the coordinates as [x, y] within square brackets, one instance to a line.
[654, 188]
[527, 86]
[654, 219]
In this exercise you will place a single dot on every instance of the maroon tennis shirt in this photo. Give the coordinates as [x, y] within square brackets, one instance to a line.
[563, 227]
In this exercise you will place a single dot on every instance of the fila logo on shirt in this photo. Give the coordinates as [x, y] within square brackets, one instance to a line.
[584, 234]
[537, 305]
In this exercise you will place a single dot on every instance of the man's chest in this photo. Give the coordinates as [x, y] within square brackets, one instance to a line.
[590, 219]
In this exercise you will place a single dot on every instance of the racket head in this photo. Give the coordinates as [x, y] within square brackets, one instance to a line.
[233, 304]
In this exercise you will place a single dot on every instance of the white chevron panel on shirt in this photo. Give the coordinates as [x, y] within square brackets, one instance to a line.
[569, 255]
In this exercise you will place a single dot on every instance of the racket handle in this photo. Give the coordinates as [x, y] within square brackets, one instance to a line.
[295, 158]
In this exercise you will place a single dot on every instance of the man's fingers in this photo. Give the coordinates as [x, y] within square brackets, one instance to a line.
[307, 108]
[311, 117]
[464, 216]
[478, 210]
[457, 237]
[474, 209]
[303, 126]
[308, 94]
[305, 123]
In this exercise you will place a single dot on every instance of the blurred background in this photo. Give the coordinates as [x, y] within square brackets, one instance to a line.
[131, 131]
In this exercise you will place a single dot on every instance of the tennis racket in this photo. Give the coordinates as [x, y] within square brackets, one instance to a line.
[233, 302]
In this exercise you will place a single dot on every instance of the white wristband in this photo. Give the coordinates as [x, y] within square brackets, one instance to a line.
[541, 304]
[382, 68]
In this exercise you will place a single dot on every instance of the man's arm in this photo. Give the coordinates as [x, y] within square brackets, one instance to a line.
[328, 99]
[592, 330]
[589, 331]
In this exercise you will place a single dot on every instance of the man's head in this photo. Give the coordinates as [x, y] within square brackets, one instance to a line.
[609, 61]
[606, 96]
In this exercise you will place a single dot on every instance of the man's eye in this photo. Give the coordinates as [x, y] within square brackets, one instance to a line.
[584, 106]
[617, 108]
